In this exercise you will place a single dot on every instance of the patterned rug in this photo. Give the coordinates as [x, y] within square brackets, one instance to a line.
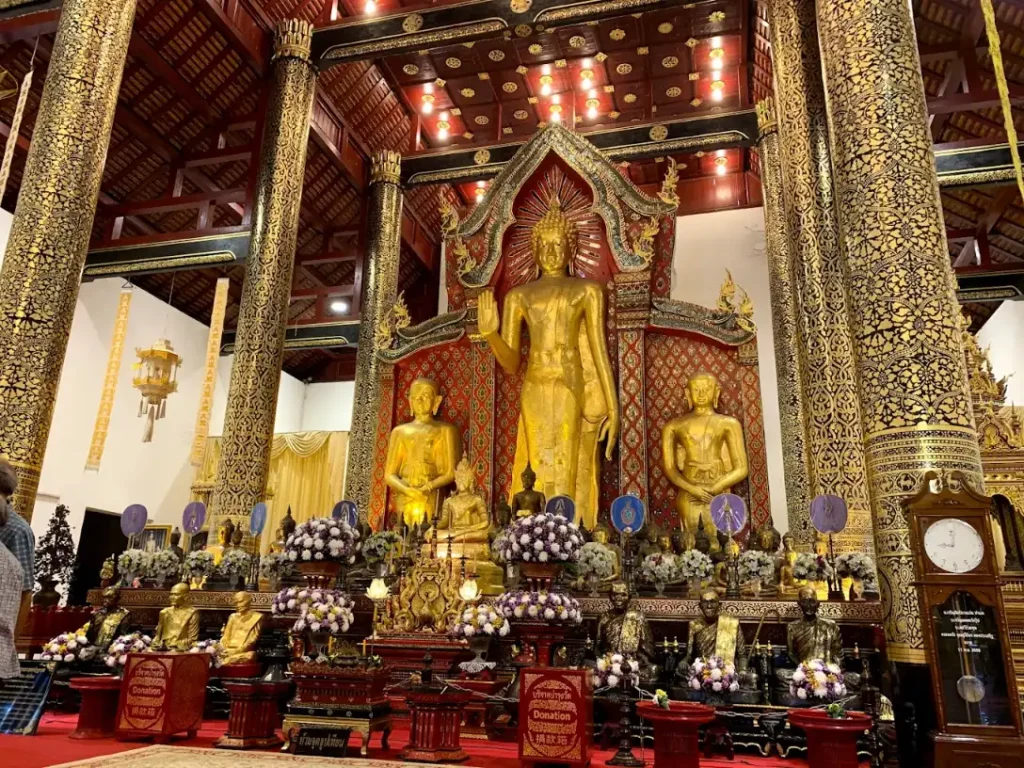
[189, 757]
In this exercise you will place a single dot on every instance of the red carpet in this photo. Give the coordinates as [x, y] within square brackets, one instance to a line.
[51, 746]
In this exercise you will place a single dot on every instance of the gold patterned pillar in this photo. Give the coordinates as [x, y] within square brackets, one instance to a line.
[380, 291]
[904, 313]
[833, 421]
[259, 347]
[52, 225]
[785, 327]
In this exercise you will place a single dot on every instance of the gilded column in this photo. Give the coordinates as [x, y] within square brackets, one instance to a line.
[905, 319]
[52, 225]
[259, 348]
[785, 327]
[833, 421]
[380, 291]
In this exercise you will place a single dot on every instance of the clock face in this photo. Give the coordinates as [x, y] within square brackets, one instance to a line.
[954, 546]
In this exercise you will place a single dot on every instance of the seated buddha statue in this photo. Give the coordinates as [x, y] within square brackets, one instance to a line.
[421, 457]
[624, 629]
[178, 626]
[109, 622]
[730, 549]
[788, 583]
[766, 539]
[224, 533]
[649, 543]
[528, 501]
[601, 535]
[463, 528]
[712, 634]
[242, 632]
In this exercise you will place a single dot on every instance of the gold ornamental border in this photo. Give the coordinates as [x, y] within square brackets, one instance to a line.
[164, 262]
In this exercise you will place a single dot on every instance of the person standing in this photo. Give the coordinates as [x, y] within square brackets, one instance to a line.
[17, 536]
[10, 601]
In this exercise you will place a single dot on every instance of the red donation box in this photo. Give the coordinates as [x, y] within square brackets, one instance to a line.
[162, 694]
[556, 708]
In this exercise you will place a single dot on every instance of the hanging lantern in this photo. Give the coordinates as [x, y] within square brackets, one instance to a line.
[156, 376]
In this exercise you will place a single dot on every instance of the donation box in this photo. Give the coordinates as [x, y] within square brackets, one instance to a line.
[555, 716]
[162, 695]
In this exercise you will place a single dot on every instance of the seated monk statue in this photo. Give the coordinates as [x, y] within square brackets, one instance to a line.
[812, 637]
[713, 635]
[528, 501]
[242, 632]
[109, 622]
[462, 530]
[602, 536]
[178, 626]
[624, 629]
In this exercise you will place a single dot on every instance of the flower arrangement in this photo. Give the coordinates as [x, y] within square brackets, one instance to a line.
[162, 565]
[818, 680]
[276, 564]
[117, 653]
[855, 565]
[211, 647]
[323, 539]
[320, 610]
[198, 564]
[133, 563]
[596, 560]
[234, 563]
[613, 670]
[542, 538]
[482, 619]
[713, 675]
[107, 569]
[499, 546]
[811, 567]
[289, 600]
[661, 699]
[660, 568]
[694, 564]
[379, 545]
[549, 607]
[67, 647]
[756, 566]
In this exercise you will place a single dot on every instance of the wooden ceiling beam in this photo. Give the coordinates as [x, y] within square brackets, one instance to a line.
[168, 74]
[21, 24]
[965, 102]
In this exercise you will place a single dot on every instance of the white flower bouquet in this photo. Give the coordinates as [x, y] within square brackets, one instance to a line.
[289, 600]
[211, 647]
[198, 564]
[117, 653]
[811, 567]
[322, 539]
[596, 560]
[660, 568]
[378, 546]
[549, 607]
[613, 670]
[713, 675]
[542, 538]
[234, 563]
[276, 564]
[817, 680]
[162, 565]
[856, 565]
[132, 564]
[67, 647]
[327, 610]
[756, 566]
[694, 564]
[481, 619]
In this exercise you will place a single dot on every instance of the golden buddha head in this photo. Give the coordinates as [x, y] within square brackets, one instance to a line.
[554, 240]
[703, 391]
[788, 542]
[424, 399]
[665, 542]
[619, 595]
[710, 605]
[600, 535]
[807, 599]
[242, 601]
[820, 545]
[180, 594]
[529, 477]
[465, 478]
[765, 537]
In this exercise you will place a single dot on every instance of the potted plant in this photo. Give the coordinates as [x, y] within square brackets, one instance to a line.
[596, 564]
[273, 567]
[198, 567]
[132, 564]
[714, 679]
[659, 569]
[542, 543]
[161, 566]
[477, 625]
[234, 566]
[55, 557]
[117, 654]
[858, 567]
[676, 725]
[756, 568]
[319, 547]
[696, 568]
[614, 670]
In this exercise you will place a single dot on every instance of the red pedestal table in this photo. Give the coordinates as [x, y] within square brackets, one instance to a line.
[831, 742]
[255, 714]
[435, 715]
[98, 713]
[675, 732]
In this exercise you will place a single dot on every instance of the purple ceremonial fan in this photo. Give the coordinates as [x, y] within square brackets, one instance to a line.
[828, 514]
[194, 517]
[133, 519]
[258, 518]
[729, 513]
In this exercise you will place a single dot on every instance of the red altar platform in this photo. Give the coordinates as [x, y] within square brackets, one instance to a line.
[255, 714]
[162, 695]
[99, 706]
[435, 715]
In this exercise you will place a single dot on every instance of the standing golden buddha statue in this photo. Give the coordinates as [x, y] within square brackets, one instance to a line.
[421, 457]
[703, 454]
[568, 401]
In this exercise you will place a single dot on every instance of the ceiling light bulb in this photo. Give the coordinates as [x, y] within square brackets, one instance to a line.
[716, 54]
[371, 6]
[481, 184]
[443, 116]
[721, 165]
[720, 153]
[339, 306]
[716, 42]
[556, 113]
[716, 90]
[586, 63]
[593, 93]
[556, 99]
[720, 170]
[442, 129]
[546, 69]
[545, 84]
[428, 104]
[591, 113]
[545, 90]
[585, 84]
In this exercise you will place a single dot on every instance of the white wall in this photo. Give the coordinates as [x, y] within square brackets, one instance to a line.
[328, 406]
[1003, 334]
[706, 246]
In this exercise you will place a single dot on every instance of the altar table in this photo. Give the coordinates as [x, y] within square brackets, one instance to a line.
[97, 714]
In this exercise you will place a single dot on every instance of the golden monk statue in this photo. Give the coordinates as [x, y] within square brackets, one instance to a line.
[242, 632]
[713, 635]
[702, 453]
[528, 501]
[568, 401]
[421, 457]
[624, 629]
[812, 637]
[463, 531]
[109, 622]
[178, 626]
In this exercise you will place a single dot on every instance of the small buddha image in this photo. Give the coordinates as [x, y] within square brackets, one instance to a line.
[788, 583]
[601, 535]
[175, 545]
[528, 501]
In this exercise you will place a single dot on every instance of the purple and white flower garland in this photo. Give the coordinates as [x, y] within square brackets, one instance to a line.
[550, 607]
[614, 670]
[323, 539]
[117, 653]
[818, 680]
[713, 675]
[211, 647]
[542, 538]
[320, 610]
[67, 647]
[482, 619]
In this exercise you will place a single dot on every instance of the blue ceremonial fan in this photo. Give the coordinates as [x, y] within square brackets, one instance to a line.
[133, 519]
[194, 517]
[728, 513]
[628, 514]
[561, 505]
[258, 519]
[828, 514]
[346, 510]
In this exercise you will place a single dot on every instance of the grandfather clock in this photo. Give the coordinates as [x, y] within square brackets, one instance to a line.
[964, 626]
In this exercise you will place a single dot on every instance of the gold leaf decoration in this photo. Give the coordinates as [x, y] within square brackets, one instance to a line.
[670, 185]
[469, 93]
[624, 68]
[411, 69]
[452, 63]
[617, 34]
[395, 319]
[643, 245]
